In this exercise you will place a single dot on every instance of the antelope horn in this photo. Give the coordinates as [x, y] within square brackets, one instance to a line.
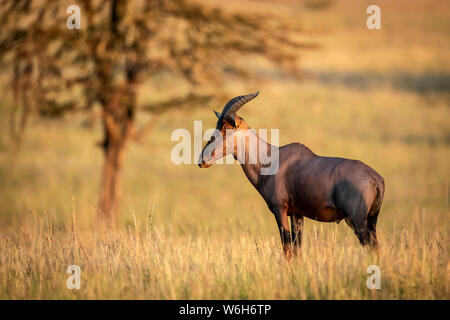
[236, 103]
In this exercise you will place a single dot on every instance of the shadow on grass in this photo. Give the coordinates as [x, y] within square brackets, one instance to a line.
[428, 82]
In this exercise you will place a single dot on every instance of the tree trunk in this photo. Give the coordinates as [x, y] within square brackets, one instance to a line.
[118, 121]
[110, 183]
[119, 106]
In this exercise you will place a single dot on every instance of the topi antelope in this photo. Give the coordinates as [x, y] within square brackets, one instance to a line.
[305, 184]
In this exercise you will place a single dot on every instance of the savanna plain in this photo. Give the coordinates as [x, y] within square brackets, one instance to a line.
[381, 96]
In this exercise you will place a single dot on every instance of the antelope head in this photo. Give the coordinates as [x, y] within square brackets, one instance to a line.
[228, 129]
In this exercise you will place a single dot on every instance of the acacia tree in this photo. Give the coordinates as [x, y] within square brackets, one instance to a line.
[54, 70]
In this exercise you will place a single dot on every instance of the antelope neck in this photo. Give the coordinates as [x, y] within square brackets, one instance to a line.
[256, 147]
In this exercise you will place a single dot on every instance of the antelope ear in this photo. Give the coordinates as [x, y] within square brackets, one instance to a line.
[240, 123]
[217, 114]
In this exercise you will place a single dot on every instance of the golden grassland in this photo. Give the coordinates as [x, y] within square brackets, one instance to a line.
[378, 96]
[233, 263]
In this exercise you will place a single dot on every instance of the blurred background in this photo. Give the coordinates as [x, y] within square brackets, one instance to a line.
[326, 81]
[87, 114]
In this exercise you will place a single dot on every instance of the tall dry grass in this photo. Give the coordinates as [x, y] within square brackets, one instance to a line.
[155, 263]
